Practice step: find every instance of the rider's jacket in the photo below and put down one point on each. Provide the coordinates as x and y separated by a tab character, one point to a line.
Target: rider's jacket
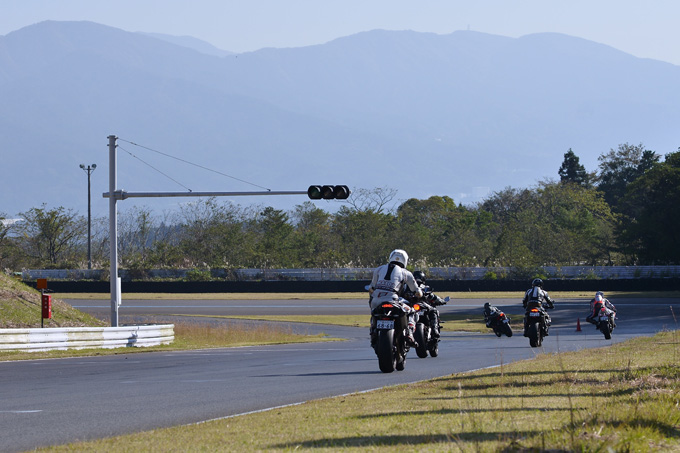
536	295
389	281
490	314
595	306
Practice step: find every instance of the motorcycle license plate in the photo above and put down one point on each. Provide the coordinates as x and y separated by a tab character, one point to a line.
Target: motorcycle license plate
534	314
383	324
604	318
505	321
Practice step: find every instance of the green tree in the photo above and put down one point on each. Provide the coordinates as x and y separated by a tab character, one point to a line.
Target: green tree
274	246
8	249
52	237
365	237
437	232
650	232
572	171
313	242
214	235
620	167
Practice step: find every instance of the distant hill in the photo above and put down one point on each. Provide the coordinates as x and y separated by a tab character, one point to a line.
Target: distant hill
192	43
459	114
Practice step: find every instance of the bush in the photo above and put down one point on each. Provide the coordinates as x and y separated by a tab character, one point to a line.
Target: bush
198	275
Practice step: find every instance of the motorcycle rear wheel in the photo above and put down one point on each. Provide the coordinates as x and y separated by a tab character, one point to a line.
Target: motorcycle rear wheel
387	358
420	337
535	339
605	328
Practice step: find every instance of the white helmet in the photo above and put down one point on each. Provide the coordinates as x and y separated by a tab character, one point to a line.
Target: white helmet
400	256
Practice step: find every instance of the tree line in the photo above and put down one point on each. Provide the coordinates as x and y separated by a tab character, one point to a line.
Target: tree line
624	213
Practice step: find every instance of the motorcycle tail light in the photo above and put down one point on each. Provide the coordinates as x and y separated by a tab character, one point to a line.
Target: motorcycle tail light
416	307
534	309
386	305
502	314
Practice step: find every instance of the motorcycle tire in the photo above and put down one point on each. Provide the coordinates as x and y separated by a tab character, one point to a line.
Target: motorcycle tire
535	339
421	339
387	357
497	332
434	349
507	330
605	328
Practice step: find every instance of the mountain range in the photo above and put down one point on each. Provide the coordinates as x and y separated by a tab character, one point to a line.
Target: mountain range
462	114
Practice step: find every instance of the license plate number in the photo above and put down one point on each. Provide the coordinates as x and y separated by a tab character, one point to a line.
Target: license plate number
385	324
534	314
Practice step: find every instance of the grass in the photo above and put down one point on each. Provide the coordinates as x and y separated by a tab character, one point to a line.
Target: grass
624	397
21	307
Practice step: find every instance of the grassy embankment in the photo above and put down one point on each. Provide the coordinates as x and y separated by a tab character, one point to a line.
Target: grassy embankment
20	307
625	397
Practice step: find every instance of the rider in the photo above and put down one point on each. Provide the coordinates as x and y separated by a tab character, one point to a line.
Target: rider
431	299
388	284
490	312
536	296
596	304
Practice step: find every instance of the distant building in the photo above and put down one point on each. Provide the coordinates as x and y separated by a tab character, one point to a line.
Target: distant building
8	222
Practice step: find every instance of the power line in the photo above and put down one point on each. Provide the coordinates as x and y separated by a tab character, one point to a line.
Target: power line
191	163
154	168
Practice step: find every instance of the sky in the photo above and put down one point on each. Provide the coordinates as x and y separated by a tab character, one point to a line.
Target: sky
644	29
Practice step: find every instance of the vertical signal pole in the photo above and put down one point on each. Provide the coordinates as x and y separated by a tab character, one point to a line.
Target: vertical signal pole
113	232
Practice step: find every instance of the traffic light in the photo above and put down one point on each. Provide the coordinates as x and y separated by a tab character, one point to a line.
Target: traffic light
328	192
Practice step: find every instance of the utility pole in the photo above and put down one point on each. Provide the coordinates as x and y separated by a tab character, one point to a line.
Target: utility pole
114	195
89	169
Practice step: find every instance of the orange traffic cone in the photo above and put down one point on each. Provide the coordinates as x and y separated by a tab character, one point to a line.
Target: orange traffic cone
578	324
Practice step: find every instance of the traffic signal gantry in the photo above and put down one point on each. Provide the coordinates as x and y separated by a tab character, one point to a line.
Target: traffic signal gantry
328	192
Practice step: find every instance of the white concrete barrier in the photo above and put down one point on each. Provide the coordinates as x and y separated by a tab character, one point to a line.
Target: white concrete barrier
86	337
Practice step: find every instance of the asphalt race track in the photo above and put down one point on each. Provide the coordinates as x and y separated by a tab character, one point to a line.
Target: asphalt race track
49	402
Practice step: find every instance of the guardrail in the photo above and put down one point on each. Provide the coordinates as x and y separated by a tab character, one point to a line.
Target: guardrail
356	273
63	338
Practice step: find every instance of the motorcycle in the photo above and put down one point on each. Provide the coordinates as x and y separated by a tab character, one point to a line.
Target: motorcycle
500	323
535	325
427	325
389	320
604	322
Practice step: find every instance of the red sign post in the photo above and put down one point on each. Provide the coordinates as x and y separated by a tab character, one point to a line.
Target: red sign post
46	300
46	306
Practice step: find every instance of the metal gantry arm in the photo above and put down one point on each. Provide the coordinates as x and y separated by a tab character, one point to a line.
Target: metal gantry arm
122	195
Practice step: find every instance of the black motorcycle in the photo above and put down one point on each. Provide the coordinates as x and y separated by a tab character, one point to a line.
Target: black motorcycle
536	323
500	323
427	325
604	322
389	321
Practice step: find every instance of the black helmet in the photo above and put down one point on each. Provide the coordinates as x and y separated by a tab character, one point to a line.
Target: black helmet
486	305
537	282
419	276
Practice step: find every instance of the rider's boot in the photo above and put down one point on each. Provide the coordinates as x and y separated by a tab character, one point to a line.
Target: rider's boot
434	322
410	340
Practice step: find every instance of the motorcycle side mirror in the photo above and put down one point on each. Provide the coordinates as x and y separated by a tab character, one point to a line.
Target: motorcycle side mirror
447	298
